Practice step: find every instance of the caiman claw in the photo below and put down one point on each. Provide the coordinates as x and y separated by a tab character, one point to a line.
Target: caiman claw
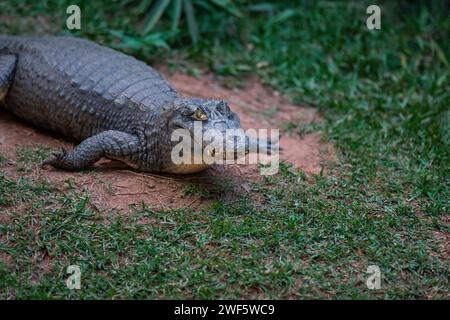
56	159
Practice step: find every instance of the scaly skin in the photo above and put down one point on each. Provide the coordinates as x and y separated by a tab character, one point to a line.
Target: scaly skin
117	106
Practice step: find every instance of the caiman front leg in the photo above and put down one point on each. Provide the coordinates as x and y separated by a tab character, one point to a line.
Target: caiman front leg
111	143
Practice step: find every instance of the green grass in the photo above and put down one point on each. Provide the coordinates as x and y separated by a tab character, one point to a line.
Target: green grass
3	159
293	247
30	157
384	96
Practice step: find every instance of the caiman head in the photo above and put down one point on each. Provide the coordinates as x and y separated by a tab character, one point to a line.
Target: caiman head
203	132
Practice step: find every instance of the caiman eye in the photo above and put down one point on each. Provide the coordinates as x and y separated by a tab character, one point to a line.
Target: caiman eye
200	115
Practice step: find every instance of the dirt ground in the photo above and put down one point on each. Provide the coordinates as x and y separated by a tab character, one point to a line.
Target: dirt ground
113	186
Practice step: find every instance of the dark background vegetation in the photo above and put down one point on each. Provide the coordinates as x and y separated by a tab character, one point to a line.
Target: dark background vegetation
384	95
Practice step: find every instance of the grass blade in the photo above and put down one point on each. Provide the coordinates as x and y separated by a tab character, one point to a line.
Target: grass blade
154	15
192	23
229	6
176	14
142	7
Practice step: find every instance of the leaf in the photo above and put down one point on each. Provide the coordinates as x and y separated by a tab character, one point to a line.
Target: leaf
155	13
157	40
205	5
440	54
142	7
192	23
176	14
261	7
229	6
137	42
283	16
127	42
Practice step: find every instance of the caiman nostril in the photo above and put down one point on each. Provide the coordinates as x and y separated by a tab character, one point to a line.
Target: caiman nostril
211	152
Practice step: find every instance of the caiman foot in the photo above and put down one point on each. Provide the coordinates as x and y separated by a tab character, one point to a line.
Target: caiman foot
57	160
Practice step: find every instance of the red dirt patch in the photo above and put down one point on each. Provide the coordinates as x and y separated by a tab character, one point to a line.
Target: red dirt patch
113	186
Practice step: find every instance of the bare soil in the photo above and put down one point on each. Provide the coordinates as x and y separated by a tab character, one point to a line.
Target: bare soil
114	186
